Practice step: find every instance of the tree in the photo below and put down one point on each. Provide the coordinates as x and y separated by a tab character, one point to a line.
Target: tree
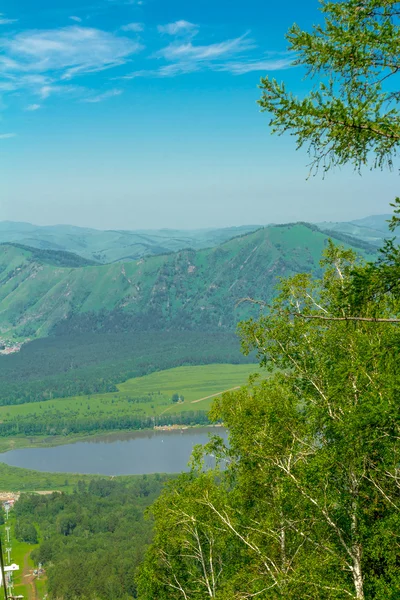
309	499
26	532
350	115
309	503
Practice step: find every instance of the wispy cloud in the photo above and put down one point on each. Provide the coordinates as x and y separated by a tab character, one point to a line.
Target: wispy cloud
127	2
197	53
7	136
33	107
135	27
52	89
5	21
241	68
104	96
237	56
178	27
76	19
42	61
68	51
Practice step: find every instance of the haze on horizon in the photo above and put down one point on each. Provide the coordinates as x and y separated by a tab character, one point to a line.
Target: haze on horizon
141	114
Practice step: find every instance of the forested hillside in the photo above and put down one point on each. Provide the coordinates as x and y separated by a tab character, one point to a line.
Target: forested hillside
188	290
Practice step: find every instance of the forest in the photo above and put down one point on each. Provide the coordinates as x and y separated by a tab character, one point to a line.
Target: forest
52	425
73	365
93	538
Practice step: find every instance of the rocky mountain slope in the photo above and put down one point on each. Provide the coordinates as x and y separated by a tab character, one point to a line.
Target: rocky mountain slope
43	293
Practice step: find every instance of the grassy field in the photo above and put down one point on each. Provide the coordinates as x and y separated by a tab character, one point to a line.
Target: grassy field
15	479
143	396
20	554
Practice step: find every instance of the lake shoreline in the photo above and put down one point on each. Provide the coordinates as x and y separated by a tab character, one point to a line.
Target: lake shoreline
16	442
122	453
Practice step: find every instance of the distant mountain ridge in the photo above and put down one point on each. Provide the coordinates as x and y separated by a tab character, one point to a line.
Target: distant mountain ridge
114	245
44	292
122	246
373	229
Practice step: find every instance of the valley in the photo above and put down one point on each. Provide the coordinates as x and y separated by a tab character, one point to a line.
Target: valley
109	347
179	396
108	373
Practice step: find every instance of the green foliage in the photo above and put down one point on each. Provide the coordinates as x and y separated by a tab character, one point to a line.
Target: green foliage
351	114
94	538
25	531
309	498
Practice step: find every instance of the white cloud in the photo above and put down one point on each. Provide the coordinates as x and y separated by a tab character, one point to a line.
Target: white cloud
241	68
196	53
130	2
7	86
104	96
76	19
33	107
178	27
4	21
67	52
172	70
48	90
7	136
231	56
135	27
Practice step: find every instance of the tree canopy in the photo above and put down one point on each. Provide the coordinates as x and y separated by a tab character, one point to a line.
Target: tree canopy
350	114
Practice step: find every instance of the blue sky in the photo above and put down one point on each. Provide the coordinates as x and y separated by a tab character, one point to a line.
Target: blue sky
142	114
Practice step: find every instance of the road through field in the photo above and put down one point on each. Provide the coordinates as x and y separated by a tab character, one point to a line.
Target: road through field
215	395
205	398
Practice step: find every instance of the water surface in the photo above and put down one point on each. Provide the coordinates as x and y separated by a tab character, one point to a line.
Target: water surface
128	453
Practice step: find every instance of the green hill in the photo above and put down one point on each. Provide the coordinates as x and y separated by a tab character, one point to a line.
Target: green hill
113	246
43	294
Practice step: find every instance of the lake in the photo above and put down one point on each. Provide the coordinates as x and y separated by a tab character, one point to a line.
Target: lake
127	453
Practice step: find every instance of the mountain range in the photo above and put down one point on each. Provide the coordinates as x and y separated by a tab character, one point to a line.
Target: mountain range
373	229
45	292
113	246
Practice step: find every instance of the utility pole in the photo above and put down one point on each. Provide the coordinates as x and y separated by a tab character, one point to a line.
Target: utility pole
8	550
2	571
8	534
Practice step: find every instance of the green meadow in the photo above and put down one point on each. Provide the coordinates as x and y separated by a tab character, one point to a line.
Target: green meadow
150	395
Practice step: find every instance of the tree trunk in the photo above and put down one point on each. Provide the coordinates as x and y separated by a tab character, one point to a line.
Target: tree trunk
356	547
357	573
